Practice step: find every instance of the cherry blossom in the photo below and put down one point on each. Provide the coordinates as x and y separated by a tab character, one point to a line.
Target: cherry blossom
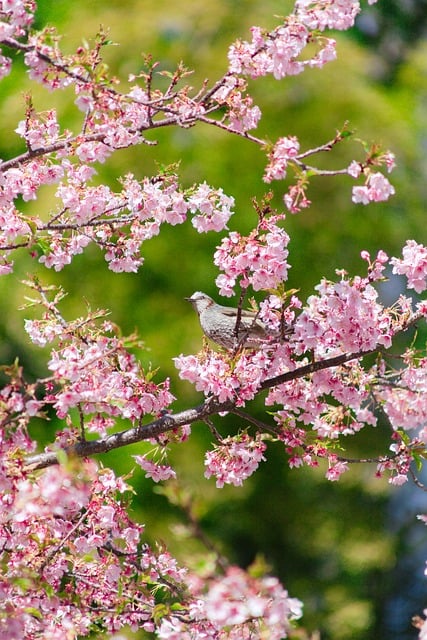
275	53
229	601
413	265
329	14
77	513
155	471
258	260
423	627
243	114
234	460
344	315
116	120
284	149
377	189
336	468
214	207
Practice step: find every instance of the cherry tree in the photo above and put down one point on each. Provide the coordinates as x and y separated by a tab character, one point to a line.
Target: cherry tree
74	563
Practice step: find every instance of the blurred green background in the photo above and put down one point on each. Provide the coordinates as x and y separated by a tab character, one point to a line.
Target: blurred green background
332	545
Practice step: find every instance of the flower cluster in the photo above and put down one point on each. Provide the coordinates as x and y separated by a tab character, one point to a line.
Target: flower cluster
229	601
376	266
67	532
93	369
40	130
242	114
314	410
154	470
101	376
376	189
213	375
238	606
234	460
214	207
16	17
344	316
117	222
336	468
279	52
258	260
283	150
413	265
398	464
405	402
296	198
328	14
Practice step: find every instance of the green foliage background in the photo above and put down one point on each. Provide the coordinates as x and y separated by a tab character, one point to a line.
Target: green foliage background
329	544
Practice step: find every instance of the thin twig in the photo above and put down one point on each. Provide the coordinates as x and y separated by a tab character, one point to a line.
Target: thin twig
417	482
261	426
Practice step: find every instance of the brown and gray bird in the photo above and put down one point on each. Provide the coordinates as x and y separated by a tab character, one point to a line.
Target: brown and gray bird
219	324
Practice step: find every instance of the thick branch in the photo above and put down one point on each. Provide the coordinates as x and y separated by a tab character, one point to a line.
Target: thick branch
318	365
154	429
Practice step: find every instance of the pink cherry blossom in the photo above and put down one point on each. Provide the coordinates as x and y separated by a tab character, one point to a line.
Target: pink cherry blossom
413	265
40	131
236	598
234	460
405	405
354	169
93	152
377	189
259	260
296	199
277	52
390	161
243	114
285	47
397	467
17	16
5	66
378	266
153	470
336	468
326	54
284	149
214	206
344	315
327	14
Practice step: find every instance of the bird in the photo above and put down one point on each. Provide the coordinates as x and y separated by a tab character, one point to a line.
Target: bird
219	324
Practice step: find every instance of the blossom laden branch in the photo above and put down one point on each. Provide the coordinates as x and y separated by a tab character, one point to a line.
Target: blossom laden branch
115	120
171	422
152	430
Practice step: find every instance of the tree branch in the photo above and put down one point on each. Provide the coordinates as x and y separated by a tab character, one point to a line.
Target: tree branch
153	429
209	407
171	421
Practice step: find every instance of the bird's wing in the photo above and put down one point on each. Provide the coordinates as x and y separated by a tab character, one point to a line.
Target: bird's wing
249	322
249	314
254	327
229	311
